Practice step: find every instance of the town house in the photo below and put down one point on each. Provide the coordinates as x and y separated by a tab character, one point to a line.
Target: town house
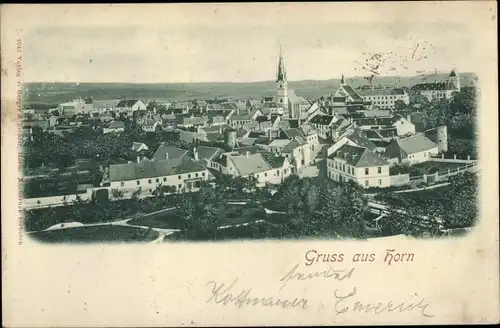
358	164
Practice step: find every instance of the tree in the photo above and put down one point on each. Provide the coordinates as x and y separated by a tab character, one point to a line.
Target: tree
462	202
117	194
400	106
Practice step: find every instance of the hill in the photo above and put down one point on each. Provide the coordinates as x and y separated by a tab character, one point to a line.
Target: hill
54	93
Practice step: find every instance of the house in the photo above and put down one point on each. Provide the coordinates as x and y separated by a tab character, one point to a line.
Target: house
139	146
413	149
348	93
265	168
358	164
299	153
188	122
339	128
236	120
353	137
131	106
403	125
216	118
323	124
114	126
178	175
210	155
182	107
150	125
168	152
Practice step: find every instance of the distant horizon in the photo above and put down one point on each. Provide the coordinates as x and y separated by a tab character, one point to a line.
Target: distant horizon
250	82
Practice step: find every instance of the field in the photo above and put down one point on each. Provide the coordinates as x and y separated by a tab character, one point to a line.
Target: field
95	234
235	214
54	93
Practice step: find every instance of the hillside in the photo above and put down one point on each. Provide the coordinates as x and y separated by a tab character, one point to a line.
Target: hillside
54	93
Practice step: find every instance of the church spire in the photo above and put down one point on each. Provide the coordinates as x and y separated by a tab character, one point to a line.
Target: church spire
342	80
281	76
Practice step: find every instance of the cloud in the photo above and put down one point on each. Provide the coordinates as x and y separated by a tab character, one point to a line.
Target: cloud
233	53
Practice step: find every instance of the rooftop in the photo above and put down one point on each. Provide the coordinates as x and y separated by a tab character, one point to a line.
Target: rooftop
152	169
415	143
250	164
173	152
358	156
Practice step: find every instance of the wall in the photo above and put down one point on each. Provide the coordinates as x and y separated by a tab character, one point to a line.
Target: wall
374	178
30	203
399	179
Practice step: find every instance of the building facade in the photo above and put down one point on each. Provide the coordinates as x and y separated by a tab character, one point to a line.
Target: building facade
351	163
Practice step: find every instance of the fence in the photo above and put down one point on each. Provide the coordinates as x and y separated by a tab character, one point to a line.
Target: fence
54	201
444	174
452	160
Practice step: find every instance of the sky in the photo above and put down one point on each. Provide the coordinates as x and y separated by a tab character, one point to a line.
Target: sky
240	53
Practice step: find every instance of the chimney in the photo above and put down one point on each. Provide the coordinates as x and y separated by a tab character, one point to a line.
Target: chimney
248	154
166	155
408	118
138	159
195	153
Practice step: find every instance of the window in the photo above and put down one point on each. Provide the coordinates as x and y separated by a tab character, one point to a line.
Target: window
179	177
367	171
284	171
265	174
202	174
138	182
180	186
343	167
189	176
379	170
157	180
196	175
278	172
149	180
366	183
164	179
257	176
379	182
122	184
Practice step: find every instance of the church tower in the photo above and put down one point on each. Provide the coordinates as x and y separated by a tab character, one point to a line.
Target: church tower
454	81
281	84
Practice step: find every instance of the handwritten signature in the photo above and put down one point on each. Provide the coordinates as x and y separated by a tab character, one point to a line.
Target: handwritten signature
345	303
329	273
223	295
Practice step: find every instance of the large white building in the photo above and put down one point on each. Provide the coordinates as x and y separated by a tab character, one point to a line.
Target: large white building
148	175
384	98
75	107
439	90
359	165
